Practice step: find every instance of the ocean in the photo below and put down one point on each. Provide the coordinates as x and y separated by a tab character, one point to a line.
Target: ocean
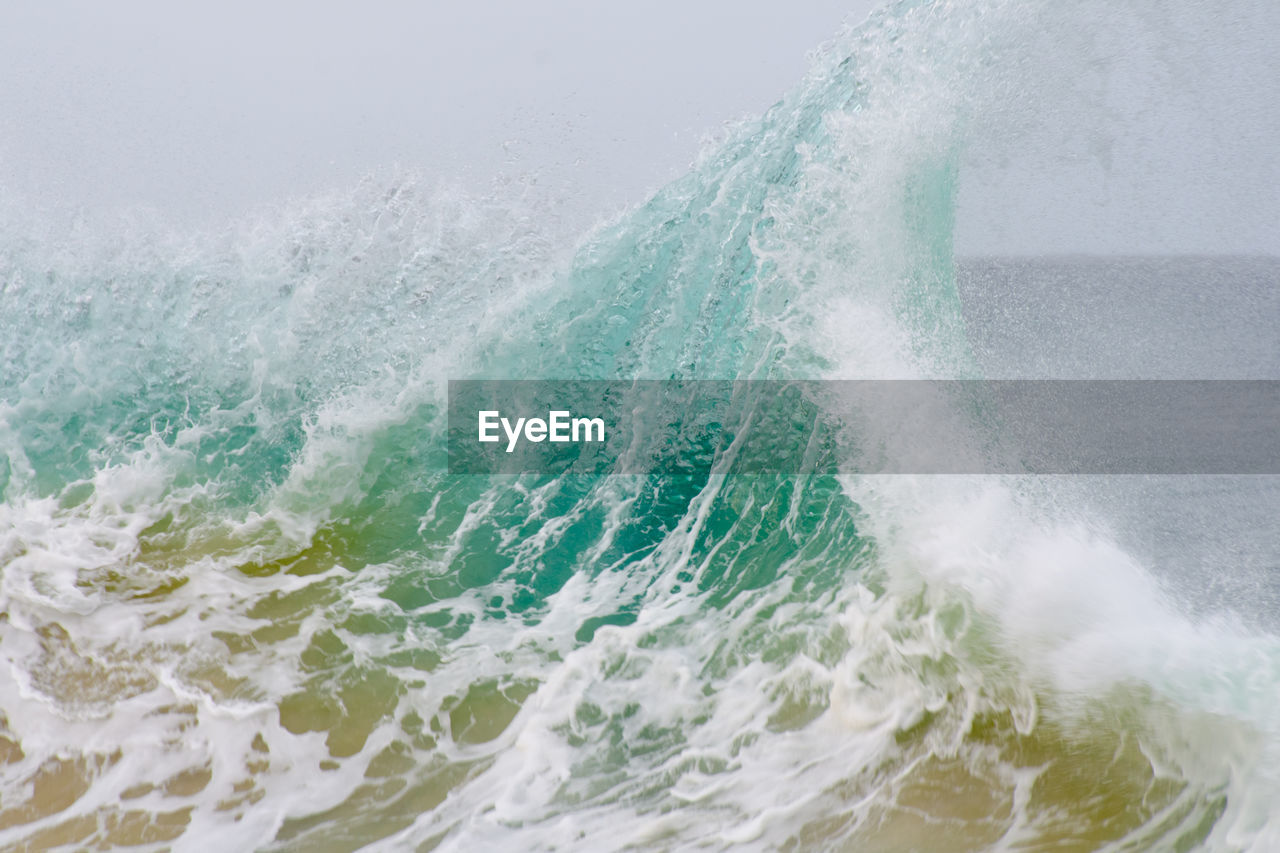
244	604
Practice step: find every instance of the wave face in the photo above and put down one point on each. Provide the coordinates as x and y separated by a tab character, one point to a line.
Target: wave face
242	600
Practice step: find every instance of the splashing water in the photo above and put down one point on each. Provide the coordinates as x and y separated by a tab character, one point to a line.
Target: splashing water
243	601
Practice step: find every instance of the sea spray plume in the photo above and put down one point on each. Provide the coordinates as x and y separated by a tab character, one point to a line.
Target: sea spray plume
281	314
844	189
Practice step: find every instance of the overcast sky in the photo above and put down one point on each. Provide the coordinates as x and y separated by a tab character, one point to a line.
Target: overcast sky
203	113
206	111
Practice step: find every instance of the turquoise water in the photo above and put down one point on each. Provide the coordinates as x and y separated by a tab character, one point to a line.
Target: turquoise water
247	608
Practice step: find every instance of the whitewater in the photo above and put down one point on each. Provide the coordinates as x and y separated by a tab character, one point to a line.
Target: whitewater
244	605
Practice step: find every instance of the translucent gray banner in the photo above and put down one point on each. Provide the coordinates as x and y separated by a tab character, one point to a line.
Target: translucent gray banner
865	427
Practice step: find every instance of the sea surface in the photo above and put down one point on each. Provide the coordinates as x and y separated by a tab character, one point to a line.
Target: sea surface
243	605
